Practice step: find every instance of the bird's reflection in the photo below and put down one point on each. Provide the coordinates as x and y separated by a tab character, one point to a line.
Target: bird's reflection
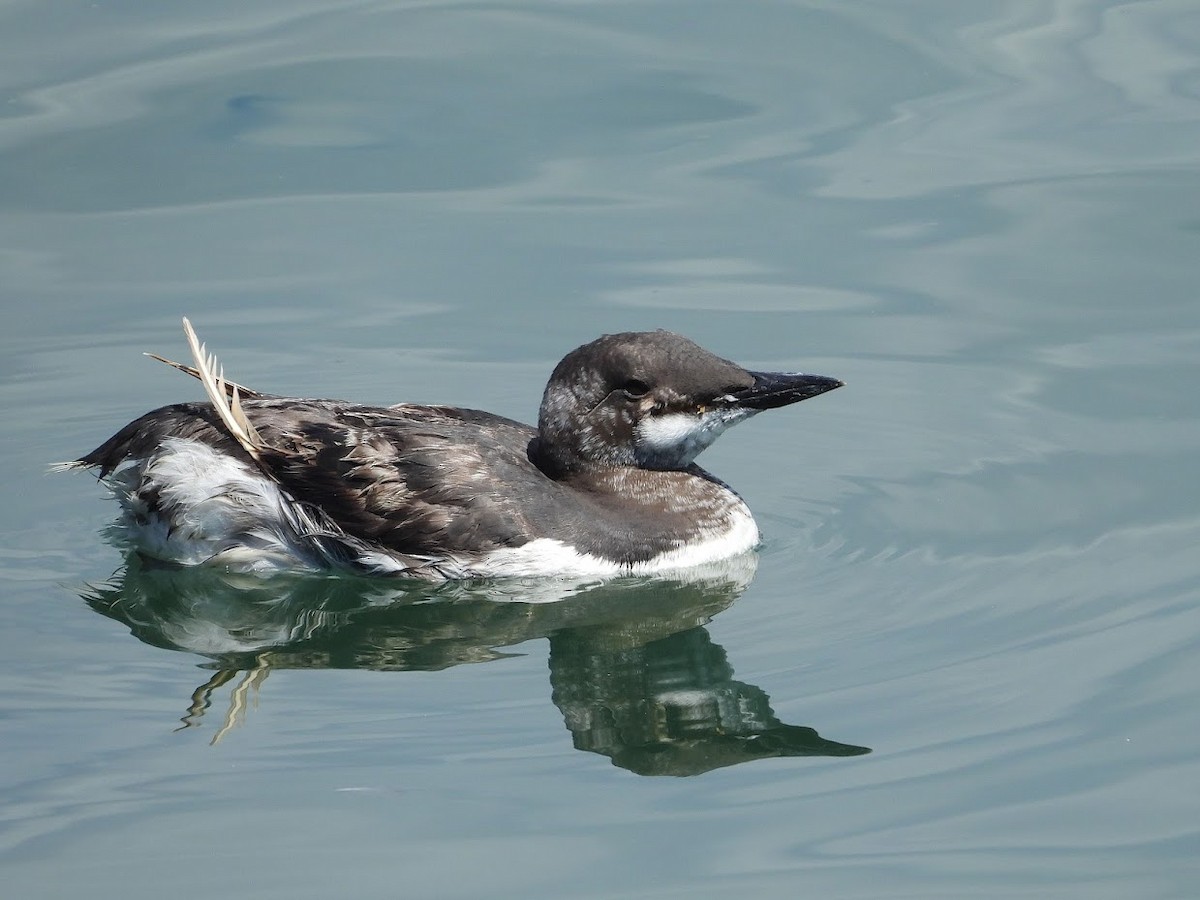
633	670
671	706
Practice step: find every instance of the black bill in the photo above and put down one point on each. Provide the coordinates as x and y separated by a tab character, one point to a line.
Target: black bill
775	389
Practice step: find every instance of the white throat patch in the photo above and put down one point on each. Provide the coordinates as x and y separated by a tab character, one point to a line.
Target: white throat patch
673	440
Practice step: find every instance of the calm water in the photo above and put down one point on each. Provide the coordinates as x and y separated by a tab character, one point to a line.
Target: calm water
981	557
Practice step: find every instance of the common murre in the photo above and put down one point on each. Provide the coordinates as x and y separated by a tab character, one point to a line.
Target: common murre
605	485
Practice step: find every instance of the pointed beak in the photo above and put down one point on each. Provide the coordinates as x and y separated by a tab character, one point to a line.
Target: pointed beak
774	389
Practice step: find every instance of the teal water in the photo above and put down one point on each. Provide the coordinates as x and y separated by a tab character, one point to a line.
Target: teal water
980	556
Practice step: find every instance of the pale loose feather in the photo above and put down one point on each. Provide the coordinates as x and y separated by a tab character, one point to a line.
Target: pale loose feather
230	386
222	395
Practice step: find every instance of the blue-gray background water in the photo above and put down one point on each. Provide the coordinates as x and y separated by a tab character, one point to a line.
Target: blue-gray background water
981	557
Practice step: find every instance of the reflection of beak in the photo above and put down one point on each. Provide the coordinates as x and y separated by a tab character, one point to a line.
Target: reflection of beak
775	389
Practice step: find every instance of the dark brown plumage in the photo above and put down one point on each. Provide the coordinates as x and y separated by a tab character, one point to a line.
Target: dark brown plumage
434	490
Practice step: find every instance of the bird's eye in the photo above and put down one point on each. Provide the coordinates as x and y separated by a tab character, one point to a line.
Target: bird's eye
635	389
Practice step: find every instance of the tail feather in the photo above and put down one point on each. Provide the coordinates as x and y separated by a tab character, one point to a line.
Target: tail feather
69	466
223	396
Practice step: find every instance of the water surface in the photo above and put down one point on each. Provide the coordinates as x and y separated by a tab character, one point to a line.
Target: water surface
979	559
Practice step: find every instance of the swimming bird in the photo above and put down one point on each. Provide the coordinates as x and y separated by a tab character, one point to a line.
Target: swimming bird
605	485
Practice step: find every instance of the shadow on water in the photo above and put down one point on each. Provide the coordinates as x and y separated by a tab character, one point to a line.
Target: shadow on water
633	670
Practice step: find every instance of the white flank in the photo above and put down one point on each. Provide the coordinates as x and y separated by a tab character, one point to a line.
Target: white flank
192	504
